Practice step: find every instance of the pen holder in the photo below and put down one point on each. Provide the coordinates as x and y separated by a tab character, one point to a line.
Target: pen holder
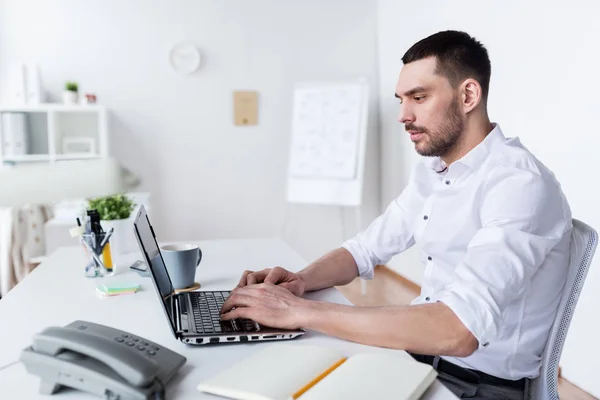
98	255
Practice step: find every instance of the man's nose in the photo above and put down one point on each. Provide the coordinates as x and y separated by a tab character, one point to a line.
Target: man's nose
405	115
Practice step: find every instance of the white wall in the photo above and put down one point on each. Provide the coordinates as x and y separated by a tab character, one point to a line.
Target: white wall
544	89
208	179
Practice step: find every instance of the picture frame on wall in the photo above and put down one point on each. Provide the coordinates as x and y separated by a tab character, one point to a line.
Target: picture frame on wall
79	145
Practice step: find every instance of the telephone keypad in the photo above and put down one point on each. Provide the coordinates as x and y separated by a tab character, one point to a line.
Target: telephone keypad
142	345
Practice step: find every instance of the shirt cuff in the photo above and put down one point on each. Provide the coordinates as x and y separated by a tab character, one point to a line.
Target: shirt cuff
473	322
361	258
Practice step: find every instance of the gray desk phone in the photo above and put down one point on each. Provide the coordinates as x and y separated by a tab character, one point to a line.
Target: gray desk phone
100	360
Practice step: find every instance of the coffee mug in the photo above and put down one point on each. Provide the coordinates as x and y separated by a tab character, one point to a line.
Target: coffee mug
181	261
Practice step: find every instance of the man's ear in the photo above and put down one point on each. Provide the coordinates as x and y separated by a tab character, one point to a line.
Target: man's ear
471	94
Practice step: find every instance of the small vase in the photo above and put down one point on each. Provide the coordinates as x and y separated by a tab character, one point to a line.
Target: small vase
70	97
122	240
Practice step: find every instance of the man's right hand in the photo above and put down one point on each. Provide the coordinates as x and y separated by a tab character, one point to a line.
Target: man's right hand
277	276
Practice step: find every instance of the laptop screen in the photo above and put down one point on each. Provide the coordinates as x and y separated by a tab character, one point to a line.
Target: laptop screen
150	251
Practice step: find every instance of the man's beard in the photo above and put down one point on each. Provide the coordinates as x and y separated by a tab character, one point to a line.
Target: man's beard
446	137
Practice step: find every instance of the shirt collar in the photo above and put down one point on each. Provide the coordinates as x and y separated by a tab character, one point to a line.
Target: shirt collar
477	155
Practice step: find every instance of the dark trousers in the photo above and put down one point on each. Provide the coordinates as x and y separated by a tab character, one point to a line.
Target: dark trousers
472	384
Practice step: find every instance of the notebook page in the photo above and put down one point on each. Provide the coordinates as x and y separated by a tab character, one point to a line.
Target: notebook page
374	376
272	373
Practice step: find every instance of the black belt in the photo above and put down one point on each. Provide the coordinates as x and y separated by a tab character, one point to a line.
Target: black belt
469	375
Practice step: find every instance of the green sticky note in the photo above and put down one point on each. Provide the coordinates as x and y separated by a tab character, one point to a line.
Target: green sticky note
119	287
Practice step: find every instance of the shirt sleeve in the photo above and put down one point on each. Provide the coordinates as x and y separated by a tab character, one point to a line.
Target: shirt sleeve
523	217
389	234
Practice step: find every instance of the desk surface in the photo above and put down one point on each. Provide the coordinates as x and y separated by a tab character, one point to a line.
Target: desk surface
56	293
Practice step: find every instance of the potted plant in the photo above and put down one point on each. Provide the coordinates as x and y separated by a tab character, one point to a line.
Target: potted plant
70	93
115	211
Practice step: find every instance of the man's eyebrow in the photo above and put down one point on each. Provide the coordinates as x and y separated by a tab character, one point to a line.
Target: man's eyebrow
412	91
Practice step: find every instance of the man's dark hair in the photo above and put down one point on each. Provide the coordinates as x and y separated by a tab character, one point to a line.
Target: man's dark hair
458	57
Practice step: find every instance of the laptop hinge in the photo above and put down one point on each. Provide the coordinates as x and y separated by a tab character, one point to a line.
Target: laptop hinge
177	314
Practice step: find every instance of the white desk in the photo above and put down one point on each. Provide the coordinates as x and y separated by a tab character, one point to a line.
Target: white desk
56	293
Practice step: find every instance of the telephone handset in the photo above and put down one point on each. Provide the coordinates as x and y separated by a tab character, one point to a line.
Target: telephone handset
101	360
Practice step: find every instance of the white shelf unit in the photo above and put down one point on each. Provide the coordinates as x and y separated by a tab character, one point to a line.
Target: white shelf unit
49	124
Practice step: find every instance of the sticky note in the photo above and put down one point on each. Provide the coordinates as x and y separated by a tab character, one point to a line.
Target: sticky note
115	289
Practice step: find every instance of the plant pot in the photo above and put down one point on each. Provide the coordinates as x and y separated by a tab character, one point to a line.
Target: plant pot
122	240
70	97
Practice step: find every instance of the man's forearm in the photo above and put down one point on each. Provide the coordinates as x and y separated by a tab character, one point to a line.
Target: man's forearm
424	329
335	268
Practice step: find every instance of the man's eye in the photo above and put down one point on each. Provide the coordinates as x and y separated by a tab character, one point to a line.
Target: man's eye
419	98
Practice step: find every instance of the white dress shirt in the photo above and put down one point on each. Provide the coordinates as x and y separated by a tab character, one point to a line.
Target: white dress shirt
493	230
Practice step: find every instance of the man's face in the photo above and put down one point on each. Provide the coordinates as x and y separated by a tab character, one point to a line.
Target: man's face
430	108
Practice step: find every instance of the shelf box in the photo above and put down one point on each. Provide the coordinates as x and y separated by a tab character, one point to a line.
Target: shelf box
33	140
55	132
76	133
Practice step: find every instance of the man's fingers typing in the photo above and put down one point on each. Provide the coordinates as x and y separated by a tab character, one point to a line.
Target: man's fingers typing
244	277
276	275
236	300
240	312
258	276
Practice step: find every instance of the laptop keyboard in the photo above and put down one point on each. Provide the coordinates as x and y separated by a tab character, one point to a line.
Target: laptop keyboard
206	307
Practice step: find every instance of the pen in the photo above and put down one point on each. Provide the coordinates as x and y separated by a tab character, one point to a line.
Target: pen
106	237
94	255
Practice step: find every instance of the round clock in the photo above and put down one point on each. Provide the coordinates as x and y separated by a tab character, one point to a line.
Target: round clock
185	58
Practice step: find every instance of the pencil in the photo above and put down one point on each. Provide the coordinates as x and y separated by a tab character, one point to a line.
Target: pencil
318	378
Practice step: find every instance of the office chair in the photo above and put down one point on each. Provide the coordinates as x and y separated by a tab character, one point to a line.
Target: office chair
583	245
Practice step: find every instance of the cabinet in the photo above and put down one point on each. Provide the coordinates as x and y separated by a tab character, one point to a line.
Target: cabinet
52	132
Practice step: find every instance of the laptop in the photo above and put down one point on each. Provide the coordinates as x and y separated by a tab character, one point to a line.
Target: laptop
194	317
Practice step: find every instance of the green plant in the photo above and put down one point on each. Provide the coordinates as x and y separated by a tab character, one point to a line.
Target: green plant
71	86
117	206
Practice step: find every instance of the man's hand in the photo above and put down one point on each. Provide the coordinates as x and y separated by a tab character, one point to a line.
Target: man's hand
267	304
276	276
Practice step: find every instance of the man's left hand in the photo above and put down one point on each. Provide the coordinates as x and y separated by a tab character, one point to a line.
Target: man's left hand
267	304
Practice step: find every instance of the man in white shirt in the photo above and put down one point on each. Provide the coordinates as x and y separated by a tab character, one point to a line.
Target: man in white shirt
490	221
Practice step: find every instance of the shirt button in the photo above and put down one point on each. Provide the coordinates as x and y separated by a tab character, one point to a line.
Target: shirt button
485	344
427	299
447	182
429	258
425	217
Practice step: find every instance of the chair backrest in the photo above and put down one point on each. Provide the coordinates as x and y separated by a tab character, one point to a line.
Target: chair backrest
583	245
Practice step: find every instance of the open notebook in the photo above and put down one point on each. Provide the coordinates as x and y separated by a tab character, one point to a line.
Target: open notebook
284	371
